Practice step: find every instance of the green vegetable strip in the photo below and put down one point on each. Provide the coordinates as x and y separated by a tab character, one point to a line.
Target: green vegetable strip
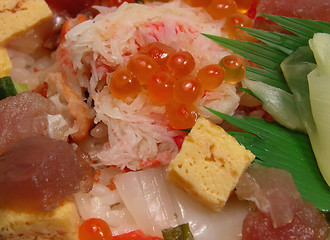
265	56
279	147
21	87
285	43
302	27
270	58
7	88
181	232
269	78
274	145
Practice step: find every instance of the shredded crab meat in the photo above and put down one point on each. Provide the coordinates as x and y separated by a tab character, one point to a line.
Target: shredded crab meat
136	131
114	37
138	135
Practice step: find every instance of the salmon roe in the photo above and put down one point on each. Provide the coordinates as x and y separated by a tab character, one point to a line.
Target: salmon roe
198	3
181	63
181	116
186	90
211	76
234	67
170	79
237	13
243	6
238	20
94	229
158	51
219	9
124	84
160	87
142	66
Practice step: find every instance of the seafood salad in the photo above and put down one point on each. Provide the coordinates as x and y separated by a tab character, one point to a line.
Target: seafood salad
100	97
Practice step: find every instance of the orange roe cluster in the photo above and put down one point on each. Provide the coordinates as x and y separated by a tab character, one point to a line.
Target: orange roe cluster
96	229
236	13
167	77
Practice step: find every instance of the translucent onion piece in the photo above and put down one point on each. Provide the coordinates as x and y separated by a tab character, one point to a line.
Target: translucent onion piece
319	87
277	103
273	190
155	203
295	69
101	202
146	196
207	224
320	47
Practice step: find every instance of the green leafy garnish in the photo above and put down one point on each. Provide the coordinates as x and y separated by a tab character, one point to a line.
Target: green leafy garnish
286	98
303	28
278	147
278	47
265	56
267	77
7	87
181	232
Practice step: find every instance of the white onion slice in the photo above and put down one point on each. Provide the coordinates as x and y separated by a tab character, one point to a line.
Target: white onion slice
101	202
146	196
207	224
157	204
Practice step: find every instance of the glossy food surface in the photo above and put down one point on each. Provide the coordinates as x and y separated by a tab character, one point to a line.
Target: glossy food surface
22	116
37	173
